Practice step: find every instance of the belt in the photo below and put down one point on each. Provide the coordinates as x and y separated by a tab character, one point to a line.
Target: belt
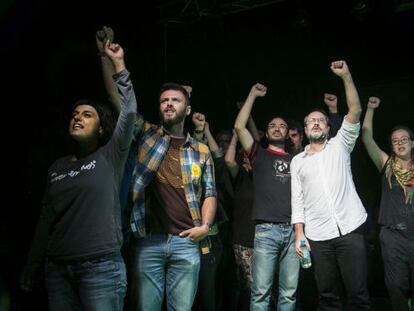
282	223
92	258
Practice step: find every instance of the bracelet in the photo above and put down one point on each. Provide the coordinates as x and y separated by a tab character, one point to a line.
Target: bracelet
207	224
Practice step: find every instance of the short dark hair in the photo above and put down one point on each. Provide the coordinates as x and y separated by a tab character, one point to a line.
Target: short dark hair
106	118
175	87
275	117
295	125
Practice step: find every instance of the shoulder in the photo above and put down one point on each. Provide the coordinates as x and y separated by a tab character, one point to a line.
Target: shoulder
298	158
198	146
60	161
350	127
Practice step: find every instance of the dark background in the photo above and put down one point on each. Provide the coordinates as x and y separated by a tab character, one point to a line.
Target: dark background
221	48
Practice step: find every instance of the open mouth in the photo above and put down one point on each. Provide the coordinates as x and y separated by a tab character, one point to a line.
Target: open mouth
169	112
77	126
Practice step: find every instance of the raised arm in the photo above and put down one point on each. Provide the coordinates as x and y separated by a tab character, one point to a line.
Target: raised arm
116	54
211	142
199	121
202	133
251	125
340	68
331	101
230	157
107	67
245	137
378	156
123	134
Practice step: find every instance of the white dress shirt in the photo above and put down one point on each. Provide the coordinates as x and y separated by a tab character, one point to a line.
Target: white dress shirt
324	198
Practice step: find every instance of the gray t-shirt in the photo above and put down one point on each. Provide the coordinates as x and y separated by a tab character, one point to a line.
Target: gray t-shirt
81	212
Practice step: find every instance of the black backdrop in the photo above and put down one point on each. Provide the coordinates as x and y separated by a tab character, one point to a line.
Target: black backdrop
50	60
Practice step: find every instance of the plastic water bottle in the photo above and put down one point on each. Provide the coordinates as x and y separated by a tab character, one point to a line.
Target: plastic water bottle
305	261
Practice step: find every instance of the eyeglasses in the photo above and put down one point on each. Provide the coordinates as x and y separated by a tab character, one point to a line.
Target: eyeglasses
314	120
401	141
279	126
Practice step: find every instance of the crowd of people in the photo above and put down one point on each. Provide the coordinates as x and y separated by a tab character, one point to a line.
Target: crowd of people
145	216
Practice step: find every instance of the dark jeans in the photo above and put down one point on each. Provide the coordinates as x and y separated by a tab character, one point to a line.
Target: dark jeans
398	256
206	291
344	257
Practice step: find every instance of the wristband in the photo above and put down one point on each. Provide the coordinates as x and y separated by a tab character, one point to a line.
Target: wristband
207	224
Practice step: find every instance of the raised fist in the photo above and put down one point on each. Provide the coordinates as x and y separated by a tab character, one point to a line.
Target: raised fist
258	90
373	102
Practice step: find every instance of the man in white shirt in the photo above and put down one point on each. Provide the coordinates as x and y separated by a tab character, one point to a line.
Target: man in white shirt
326	207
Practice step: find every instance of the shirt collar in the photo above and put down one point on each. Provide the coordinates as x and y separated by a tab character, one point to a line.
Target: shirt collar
307	152
189	141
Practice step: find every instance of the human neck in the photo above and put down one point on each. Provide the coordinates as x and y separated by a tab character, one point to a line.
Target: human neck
278	148
176	130
84	149
316	146
405	163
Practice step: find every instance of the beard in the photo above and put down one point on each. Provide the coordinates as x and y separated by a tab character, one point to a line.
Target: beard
317	137
179	117
276	141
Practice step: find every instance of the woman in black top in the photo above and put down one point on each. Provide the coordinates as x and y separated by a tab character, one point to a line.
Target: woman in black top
79	231
397	207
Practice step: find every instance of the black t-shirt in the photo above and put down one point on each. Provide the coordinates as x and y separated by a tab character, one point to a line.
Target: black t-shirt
272	189
86	208
224	189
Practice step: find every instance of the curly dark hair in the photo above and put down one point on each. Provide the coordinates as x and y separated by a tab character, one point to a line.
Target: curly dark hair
106	118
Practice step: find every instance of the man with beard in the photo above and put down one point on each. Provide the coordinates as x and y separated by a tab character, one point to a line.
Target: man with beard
274	237
174	207
326	207
174	199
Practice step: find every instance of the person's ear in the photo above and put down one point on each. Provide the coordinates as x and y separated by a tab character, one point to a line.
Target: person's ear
188	110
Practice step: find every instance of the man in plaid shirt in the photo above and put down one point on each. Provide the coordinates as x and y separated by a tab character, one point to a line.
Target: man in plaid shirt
174	204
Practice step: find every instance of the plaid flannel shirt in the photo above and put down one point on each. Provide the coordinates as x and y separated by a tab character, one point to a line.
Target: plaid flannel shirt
197	173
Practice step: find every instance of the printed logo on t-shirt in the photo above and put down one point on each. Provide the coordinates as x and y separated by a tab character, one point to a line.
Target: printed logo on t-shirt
282	170
89	166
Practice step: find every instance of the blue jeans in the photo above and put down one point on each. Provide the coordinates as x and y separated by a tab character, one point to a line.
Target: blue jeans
274	243
161	261
93	285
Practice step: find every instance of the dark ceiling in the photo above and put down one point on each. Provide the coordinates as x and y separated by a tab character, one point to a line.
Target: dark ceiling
219	47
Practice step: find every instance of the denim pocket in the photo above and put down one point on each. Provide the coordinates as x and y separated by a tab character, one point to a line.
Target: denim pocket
262	229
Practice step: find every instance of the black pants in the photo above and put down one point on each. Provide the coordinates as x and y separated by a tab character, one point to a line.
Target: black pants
398	255
205	299
344	257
